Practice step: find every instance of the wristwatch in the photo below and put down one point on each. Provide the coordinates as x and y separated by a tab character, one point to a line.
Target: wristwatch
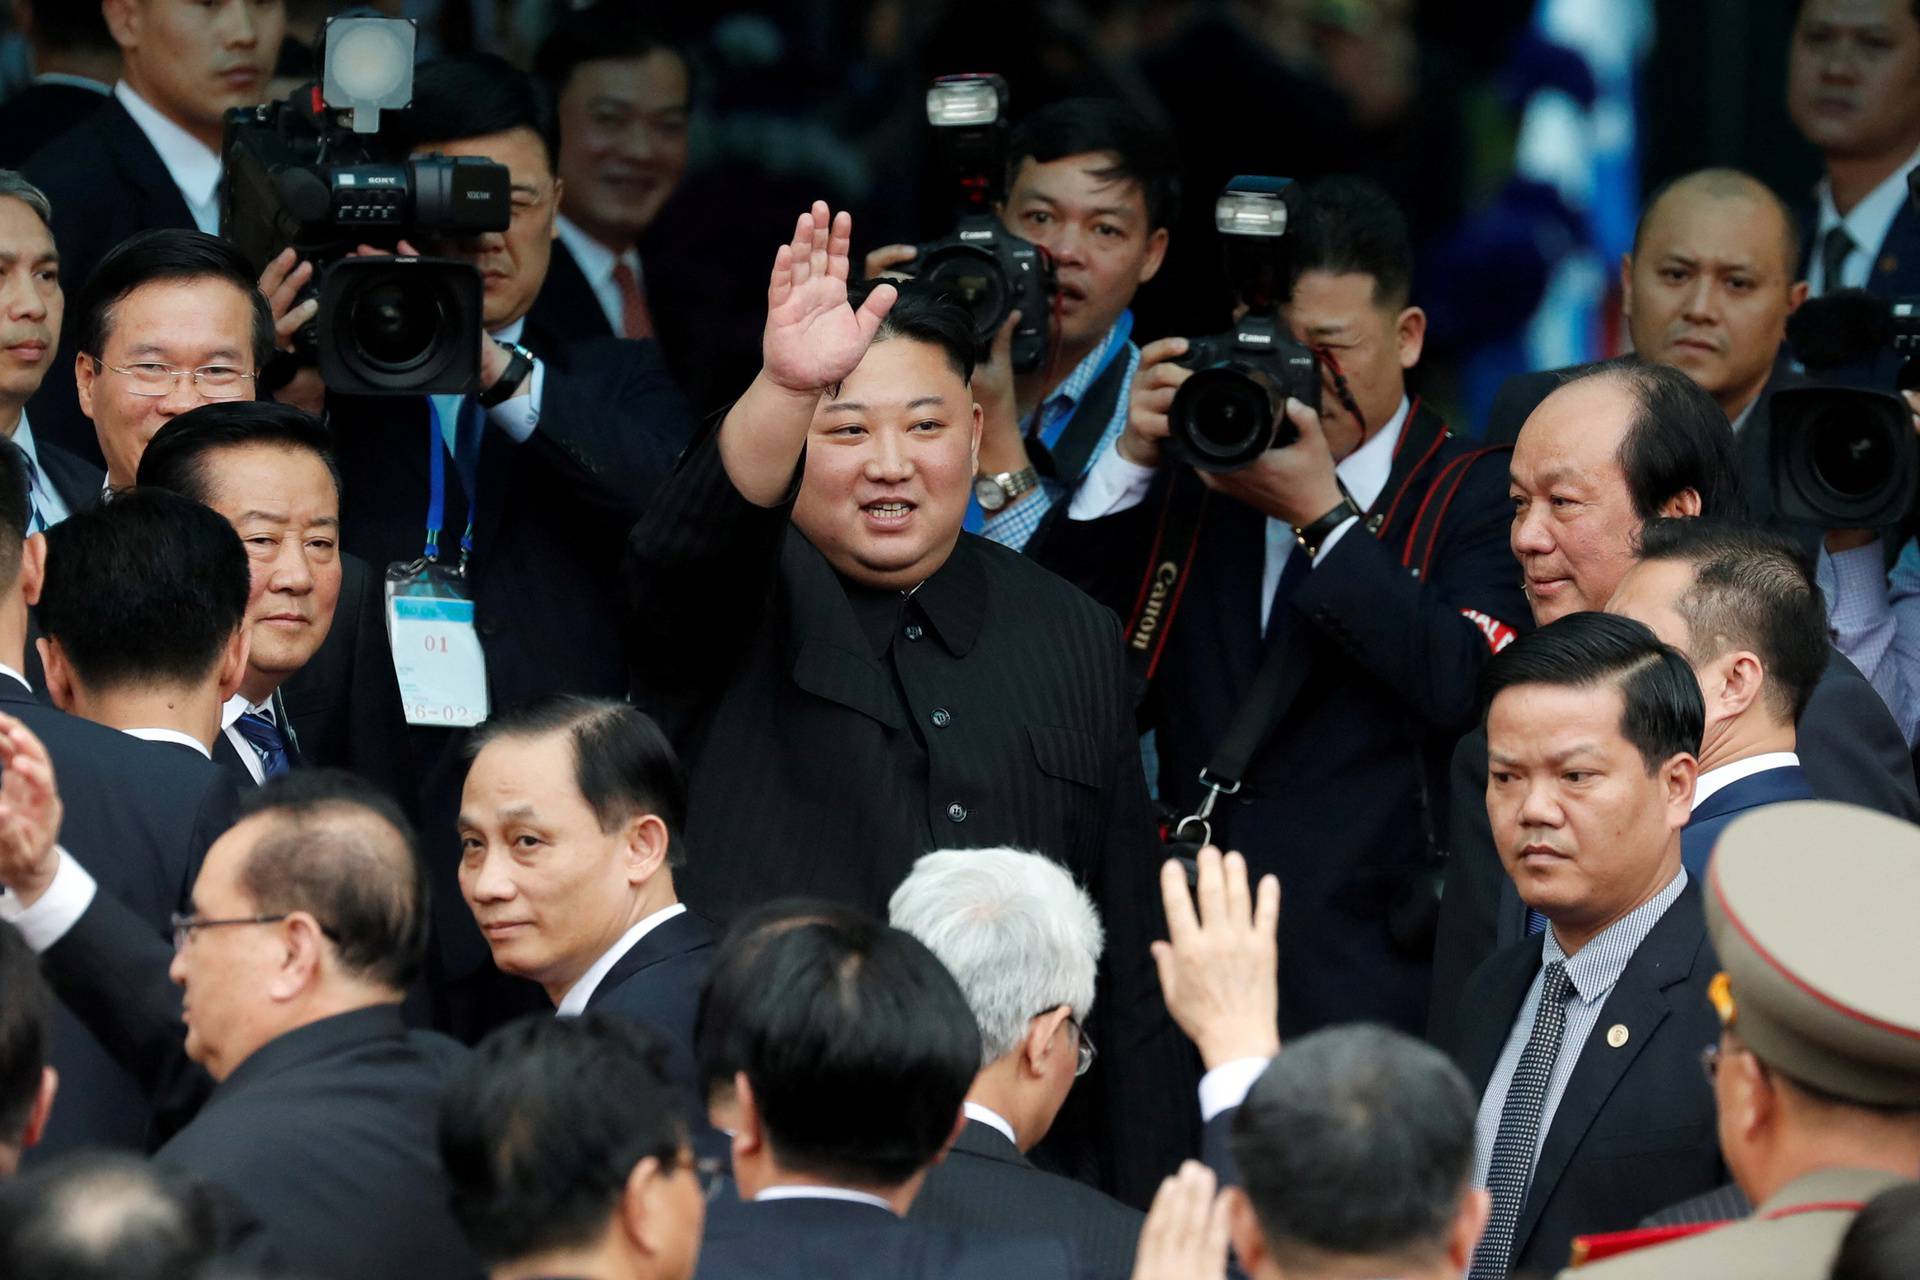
995	491
1311	536
519	365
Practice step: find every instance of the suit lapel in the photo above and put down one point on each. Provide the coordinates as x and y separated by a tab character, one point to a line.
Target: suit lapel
683	934
1497	1002
138	162
1753	791
1637	1002
831	656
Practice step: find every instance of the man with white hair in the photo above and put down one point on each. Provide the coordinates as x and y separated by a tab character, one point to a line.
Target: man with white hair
1023	941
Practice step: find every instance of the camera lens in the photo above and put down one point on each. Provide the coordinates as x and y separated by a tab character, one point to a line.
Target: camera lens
1850	456
974	279
396	321
1223	417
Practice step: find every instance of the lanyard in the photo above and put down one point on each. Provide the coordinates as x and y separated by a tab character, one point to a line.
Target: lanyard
437	487
1049	432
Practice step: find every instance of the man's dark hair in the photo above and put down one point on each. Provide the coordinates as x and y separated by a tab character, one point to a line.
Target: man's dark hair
16	512
106	1215
858	1043
1142	152
1352	227
541	1127
168	254
66	27
924	314
1678	439
341	850
177	459
622	762
145	590
1884	1239
1751	590
607	31
1663	714
26	1026
473	95
1356	1106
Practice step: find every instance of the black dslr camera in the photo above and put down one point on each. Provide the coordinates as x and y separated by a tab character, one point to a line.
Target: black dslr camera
1232	409
985	266
313	172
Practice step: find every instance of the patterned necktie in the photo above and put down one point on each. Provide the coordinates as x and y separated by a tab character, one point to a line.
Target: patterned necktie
1833	256
635	322
264	736
1518	1137
37	523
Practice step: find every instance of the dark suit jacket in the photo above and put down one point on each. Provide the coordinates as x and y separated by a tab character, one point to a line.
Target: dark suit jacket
1635	1129
139	817
657	982
567	306
78	482
999	715
1710	818
324	1142
809	1239
106	182
986	1184
1850	750
1343	798
39	113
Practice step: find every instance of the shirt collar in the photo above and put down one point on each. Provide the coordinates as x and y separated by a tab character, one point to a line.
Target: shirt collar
954	599
169	735
1365	471
511	332
1597	966
1075	384
236	706
823	1193
991	1118
575	1001
23	438
1867	223
6	670
194	168
595	260
1716	778
74	82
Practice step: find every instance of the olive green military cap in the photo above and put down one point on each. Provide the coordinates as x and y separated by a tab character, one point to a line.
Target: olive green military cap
1814	909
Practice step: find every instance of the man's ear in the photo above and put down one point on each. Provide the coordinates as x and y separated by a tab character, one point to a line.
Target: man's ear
749	1135
1043	1040
1410	333
1745	678
1684	503
1156	254
979	422
1680	772
1243	1229
559	193
1626	286
233	660
54	670
1469	1224
639	1218
42	1107
302	957
1795	296
645	846
83	370
33	567
123	21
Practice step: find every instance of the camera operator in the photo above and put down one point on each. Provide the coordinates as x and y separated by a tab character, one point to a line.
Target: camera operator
1301	566
1097	187
1874	613
150	157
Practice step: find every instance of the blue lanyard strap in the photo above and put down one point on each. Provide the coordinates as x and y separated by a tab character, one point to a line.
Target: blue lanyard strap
437	489
1048	423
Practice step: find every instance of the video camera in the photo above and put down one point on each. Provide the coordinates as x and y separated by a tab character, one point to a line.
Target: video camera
1232	409
985	266
314	173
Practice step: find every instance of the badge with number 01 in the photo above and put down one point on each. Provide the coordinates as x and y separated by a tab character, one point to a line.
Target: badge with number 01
436	651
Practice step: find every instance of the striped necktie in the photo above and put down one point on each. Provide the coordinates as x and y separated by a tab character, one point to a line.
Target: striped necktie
264	736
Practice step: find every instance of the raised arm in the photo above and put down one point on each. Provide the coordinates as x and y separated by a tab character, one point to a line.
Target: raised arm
812	341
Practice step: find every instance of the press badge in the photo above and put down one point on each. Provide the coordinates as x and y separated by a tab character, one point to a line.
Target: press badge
436	650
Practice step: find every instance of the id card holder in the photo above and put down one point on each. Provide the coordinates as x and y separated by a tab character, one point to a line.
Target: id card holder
436	650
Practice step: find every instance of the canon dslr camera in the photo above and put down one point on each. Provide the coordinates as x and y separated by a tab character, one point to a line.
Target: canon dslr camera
314	173
985	266
1232	409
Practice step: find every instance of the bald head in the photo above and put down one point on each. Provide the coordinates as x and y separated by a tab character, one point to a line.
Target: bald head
1711	281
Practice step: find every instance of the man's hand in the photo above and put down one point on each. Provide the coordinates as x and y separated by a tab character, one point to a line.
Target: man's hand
29	813
888	259
282	282
1154	384
1220	973
1185	1236
813	339
1295	484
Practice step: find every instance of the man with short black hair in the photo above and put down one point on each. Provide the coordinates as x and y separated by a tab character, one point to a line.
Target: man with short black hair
28	1081
143	617
306	924
1584	1043
852	1051
588	909
101	1215
1024	942
606	1187
1740	604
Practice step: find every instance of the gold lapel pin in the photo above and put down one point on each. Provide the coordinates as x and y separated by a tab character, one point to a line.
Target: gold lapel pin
1616	1035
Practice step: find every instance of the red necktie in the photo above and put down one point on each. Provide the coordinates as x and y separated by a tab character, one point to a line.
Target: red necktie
634	320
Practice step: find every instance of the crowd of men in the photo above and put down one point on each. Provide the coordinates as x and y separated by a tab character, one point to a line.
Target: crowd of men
834	886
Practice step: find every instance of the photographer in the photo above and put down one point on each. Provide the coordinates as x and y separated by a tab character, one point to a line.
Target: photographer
1097	187
1365	566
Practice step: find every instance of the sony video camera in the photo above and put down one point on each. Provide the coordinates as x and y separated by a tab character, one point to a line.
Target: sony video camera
314	172
1232	409
985	266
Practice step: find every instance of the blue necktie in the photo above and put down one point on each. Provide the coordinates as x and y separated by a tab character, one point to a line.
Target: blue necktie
1536	923
38	523
264	736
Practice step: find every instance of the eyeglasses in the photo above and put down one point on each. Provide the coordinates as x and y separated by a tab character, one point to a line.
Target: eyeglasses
183	926
1087	1052
214	381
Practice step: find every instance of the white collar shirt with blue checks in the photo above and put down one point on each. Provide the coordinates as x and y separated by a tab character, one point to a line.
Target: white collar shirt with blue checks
1593	971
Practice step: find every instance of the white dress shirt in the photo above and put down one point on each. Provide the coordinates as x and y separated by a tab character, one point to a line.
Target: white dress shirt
232	710
991	1118
517	417
1867	224
169	735
574	1002
193	166
596	263
823	1193
1227	1085
1714	779
46	500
